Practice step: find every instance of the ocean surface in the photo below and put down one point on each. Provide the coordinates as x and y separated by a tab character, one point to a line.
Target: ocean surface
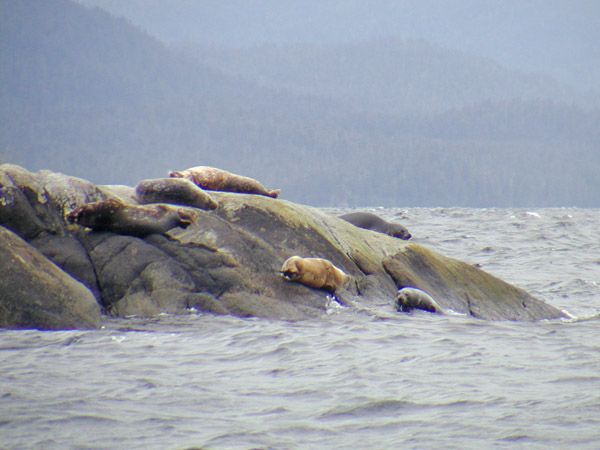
352	379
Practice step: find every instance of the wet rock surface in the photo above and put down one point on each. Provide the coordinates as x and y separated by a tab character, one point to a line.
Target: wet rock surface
35	293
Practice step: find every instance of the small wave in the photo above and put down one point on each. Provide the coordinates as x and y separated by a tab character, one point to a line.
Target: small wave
575	319
517	438
392	406
78	418
525	215
577	379
451	312
370	408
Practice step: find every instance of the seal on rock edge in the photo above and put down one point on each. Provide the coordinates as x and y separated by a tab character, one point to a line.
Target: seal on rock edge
113	215
316	273
373	222
215	179
177	191
412	298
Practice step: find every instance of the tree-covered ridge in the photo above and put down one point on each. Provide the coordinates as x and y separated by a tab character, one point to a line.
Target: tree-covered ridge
393	76
90	95
560	38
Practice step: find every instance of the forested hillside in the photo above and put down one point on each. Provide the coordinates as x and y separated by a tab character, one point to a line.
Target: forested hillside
560	38
89	94
394	76
84	91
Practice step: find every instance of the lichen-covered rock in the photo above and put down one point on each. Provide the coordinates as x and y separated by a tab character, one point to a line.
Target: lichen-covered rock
35	293
228	262
464	288
33	204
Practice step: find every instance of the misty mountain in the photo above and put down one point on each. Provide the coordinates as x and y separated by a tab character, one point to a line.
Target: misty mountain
394	76
560	38
539	120
83	89
91	95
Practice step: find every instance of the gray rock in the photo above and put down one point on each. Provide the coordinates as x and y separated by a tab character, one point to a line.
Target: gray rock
68	253
462	288
35	293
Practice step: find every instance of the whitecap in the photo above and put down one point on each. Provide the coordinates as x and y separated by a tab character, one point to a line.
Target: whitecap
533	214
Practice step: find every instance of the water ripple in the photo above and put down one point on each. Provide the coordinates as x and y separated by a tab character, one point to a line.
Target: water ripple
348	380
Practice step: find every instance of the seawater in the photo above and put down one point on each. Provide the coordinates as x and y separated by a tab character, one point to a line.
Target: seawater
351	379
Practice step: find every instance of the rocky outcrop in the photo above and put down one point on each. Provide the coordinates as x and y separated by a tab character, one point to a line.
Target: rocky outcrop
35	293
462	287
228	262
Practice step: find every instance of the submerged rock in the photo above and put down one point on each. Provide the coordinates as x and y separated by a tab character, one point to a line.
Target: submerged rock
228	261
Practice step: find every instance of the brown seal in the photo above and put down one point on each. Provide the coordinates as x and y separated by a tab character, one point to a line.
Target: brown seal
177	191
114	215
220	180
317	273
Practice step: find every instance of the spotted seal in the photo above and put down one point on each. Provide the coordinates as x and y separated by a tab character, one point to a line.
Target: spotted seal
177	191
215	179
113	215
412	298
373	222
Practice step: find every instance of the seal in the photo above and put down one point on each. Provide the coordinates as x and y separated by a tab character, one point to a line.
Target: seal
372	222
177	191
412	298
316	273
220	180
114	215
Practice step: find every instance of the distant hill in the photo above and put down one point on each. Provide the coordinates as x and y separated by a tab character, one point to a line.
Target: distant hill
88	94
560	38
395	76
84	91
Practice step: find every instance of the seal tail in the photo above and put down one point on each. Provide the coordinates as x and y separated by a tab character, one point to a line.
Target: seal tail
274	193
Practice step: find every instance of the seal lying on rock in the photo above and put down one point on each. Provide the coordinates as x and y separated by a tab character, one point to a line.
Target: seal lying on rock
220	180
411	298
372	222
317	273
113	215
178	191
